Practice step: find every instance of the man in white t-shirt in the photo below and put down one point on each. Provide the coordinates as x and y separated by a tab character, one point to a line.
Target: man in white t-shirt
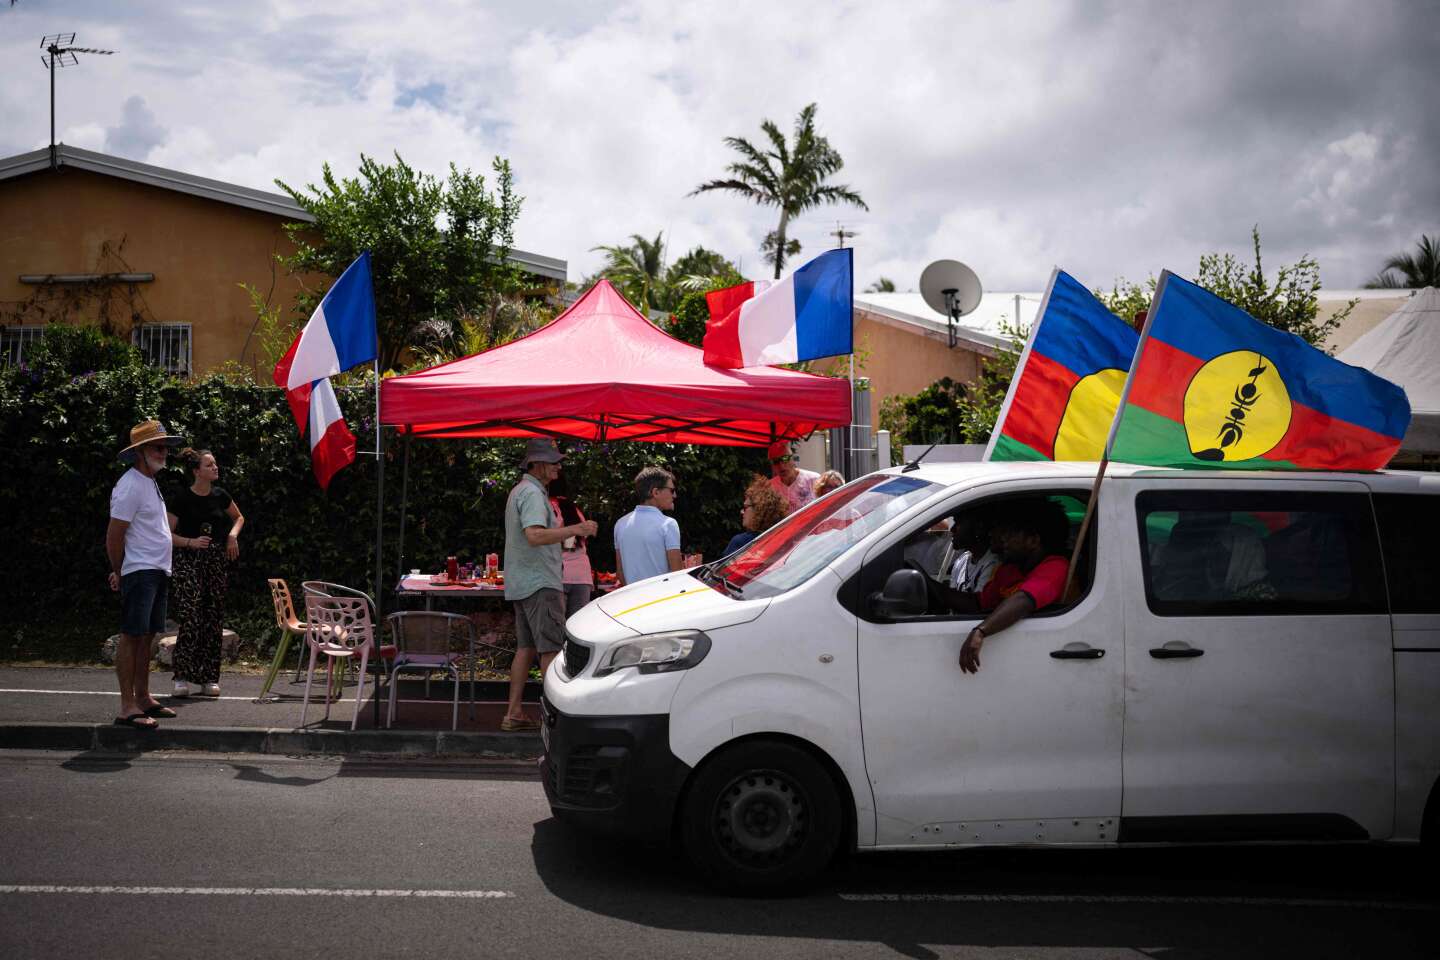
795	485
647	543
138	542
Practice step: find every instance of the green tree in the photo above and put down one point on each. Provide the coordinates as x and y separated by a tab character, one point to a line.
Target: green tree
790	176
1291	303
1420	269
438	249
882	285
637	269
699	270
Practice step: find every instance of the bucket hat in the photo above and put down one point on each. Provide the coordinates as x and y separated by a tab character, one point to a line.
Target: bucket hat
540	450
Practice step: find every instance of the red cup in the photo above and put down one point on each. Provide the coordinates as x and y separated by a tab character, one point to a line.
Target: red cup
452	568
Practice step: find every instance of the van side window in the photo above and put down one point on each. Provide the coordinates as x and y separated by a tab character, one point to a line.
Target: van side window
929	547
1258	553
1409	534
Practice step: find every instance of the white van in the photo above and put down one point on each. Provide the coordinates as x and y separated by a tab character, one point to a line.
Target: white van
1248	657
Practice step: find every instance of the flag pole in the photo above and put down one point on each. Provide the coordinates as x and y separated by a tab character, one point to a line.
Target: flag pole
1084	527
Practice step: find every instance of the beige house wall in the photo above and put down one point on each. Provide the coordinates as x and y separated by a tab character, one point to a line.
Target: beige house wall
1364	318
76	222
902	359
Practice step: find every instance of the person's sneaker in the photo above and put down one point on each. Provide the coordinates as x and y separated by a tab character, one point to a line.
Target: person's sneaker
212	690
182	689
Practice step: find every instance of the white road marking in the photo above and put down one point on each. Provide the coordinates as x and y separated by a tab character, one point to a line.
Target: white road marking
260	892
1126	899
165	696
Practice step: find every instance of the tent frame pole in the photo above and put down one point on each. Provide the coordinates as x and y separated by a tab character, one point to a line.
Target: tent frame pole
404	508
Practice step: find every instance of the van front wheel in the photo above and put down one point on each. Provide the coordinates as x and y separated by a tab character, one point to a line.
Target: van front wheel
761	816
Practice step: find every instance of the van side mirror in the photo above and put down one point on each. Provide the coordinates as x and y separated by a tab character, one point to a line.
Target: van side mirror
904	595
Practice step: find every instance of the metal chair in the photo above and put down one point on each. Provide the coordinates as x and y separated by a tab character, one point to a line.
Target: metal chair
340	628
324	588
290	626
427	641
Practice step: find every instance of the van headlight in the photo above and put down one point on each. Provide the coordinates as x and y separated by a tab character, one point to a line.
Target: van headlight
656	653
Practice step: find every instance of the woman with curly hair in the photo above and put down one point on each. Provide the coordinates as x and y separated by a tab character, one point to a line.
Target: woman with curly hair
205	525
763	508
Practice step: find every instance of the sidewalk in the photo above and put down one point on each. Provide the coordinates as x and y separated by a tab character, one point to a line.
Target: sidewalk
72	708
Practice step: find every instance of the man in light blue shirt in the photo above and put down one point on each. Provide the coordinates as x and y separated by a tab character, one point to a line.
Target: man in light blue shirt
647	543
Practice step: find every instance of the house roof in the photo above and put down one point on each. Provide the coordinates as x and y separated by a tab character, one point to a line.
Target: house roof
277	204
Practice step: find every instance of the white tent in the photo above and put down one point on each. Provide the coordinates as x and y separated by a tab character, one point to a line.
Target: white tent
1405	348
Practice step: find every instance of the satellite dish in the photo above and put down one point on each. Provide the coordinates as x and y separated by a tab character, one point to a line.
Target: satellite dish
950	288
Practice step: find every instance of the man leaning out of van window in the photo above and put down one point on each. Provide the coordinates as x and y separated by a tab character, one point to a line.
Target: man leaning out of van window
1031	575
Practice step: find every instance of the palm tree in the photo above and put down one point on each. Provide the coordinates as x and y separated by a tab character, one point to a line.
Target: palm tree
638	269
789	176
883	285
1420	270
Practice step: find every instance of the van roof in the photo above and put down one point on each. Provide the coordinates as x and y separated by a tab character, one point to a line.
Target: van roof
953	472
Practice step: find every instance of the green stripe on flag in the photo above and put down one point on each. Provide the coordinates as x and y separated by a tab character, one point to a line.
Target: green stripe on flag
1152	440
1008	448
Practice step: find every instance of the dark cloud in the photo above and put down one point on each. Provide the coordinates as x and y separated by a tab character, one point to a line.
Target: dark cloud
137	133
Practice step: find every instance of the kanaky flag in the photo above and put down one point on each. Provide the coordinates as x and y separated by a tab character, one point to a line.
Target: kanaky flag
805	316
1212	387
339	335
1067	384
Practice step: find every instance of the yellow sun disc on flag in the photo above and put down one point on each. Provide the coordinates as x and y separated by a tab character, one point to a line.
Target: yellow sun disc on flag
1236	407
1085	425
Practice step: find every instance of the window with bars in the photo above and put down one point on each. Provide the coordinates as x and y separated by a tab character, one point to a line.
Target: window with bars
165	345
14	340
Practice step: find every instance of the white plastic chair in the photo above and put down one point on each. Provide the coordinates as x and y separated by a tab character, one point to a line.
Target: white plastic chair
426	641
340	629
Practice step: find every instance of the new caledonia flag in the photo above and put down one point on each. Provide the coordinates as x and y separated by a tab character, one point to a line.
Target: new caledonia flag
1214	387
1067	384
339	335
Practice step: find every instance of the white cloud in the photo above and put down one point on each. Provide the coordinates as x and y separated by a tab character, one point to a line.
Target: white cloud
1014	136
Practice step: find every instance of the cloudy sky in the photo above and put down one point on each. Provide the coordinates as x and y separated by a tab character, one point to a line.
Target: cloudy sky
1111	138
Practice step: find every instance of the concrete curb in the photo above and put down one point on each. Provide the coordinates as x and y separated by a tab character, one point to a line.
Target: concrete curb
274	740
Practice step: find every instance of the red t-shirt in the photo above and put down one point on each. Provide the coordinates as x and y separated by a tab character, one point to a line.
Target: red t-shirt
1043	583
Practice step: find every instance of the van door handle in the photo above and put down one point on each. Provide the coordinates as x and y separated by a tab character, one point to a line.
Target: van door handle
1176	651
1077	651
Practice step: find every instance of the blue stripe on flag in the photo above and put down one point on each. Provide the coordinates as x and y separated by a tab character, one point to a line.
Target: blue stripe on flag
1078	333
824	290
1192	319
349	309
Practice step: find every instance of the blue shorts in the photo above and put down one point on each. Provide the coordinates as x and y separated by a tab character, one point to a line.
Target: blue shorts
143	596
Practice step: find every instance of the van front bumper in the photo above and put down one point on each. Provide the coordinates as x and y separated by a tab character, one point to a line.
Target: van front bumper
611	774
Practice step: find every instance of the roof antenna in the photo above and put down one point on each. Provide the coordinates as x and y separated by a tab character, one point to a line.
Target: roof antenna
60	51
915	464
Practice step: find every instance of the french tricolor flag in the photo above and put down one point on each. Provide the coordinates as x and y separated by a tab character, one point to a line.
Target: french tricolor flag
802	317
339	335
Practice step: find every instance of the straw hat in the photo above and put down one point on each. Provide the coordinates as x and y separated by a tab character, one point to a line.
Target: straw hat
151	431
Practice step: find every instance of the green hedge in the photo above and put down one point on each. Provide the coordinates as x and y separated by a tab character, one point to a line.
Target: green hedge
63	418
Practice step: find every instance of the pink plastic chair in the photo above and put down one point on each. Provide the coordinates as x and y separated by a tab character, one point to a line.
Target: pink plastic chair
339	628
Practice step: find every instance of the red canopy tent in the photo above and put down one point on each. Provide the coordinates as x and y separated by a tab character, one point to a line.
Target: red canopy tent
603	372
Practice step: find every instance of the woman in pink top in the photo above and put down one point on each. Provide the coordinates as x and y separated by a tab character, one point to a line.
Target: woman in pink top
575	573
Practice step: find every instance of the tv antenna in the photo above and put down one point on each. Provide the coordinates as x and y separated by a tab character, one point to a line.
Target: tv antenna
60	51
950	288
841	234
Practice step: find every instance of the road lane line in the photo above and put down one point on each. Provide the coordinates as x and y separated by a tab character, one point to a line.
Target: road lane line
258	892
1128	899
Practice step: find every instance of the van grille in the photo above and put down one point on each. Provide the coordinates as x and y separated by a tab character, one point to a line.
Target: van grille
576	655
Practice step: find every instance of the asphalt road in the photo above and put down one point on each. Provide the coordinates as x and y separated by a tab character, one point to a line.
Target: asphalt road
180	855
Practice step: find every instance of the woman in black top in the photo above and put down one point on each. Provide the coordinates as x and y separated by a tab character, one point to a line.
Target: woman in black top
206	523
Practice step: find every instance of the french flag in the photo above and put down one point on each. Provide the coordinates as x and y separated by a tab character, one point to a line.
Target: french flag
802	317
339	335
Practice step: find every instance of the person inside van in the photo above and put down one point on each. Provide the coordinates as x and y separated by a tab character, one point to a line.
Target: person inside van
1030	577
977	555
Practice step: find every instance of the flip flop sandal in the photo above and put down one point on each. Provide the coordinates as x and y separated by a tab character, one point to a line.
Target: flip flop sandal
160	712
133	721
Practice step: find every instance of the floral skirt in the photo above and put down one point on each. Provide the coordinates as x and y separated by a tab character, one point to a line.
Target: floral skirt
198	594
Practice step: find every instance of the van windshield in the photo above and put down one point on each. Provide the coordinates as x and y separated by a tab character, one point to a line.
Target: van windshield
804	543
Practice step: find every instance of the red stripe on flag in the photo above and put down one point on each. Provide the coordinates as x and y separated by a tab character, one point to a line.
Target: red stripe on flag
1039	404
1161	378
1318	441
722	333
332	452
299	398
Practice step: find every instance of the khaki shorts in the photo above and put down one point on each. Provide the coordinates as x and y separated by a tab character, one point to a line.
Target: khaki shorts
540	621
